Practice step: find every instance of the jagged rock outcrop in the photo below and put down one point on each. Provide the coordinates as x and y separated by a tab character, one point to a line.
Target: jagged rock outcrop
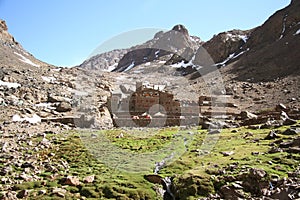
173	42
221	46
105	61
5	37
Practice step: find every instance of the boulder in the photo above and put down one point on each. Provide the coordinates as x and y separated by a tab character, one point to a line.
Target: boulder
89	179
71	180
229	192
272	135
289	121
291	131
154	178
247	115
280	107
59	192
64	107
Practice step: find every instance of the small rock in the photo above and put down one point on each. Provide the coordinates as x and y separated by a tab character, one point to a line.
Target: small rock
89	179
247	115
289	121
4	147
22	194
93	135
153	178
247	135
54	99
63	107
26	177
228	192
26	165
120	135
59	192
270	162
42	192
227	153
275	150
214	131
271	135
294	150
237	186
291	131
45	142
286	144
71	180
280	107
257	173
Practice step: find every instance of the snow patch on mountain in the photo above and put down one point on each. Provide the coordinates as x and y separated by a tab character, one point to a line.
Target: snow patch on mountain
26	60
236	37
283	27
33	120
111	67
129	67
9	85
49	79
230	57
182	64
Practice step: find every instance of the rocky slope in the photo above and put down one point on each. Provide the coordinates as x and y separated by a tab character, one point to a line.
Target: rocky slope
34	90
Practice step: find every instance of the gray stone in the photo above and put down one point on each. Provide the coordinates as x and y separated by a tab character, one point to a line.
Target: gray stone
272	135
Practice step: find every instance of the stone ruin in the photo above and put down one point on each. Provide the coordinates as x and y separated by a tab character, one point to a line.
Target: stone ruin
151	105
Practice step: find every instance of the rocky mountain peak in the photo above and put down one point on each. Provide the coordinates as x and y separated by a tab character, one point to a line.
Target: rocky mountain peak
180	28
3	26
163	43
5	37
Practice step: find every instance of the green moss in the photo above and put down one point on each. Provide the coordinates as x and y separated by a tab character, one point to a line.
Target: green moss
24	186
192	185
52	184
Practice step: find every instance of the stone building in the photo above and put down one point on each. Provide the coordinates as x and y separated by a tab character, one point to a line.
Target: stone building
152	105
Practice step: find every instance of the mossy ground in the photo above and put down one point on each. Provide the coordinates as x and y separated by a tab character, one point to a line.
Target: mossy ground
193	171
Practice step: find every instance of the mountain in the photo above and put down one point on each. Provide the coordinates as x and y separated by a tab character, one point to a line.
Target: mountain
273	48
274	45
268	53
175	40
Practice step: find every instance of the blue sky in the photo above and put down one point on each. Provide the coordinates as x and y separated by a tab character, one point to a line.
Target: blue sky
66	32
